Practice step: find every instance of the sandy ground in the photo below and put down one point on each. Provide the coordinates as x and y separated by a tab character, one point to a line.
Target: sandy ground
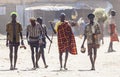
107	64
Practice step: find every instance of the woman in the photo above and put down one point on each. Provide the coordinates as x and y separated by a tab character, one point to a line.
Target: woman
113	32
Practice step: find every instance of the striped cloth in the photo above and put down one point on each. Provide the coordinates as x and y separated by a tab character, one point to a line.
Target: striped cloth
34	32
43	29
66	40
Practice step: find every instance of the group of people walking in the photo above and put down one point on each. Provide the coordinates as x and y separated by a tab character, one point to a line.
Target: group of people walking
36	34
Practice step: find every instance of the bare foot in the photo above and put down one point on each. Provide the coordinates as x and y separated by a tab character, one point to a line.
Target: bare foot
33	68
11	68
65	68
46	66
37	66
92	68
61	69
15	68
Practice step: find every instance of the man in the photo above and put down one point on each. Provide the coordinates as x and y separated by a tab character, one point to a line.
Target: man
66	40
14	31
43	40
113	31
91	33
33	33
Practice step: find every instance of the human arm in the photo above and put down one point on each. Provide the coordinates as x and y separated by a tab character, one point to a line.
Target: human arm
21	36
7	30
85	37
22	43
48	38
82	46
27	36
47	35
7	42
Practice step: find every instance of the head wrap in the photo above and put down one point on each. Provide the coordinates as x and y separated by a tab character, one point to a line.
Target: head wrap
13	13
32	19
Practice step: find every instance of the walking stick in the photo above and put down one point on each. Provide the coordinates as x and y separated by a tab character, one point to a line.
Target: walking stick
50	43
52	35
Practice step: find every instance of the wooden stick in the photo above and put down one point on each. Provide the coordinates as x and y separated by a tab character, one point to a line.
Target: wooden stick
50	43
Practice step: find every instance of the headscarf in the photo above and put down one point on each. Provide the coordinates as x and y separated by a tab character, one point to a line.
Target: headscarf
14	13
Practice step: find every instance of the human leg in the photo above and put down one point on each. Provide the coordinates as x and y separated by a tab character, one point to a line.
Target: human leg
60	59
111	47
11	57
43	56
92	62
66	57
32	56
91	56
15	55
37	57
39	54
95	55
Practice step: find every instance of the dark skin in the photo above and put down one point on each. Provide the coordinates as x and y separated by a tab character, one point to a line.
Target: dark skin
62	19
41	52
91	56
110	49
35	63
11	47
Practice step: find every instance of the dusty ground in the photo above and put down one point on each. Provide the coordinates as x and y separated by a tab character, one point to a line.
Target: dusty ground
107	64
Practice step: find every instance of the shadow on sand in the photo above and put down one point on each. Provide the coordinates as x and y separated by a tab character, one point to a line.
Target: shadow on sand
61	70
85	70
7	70
28	69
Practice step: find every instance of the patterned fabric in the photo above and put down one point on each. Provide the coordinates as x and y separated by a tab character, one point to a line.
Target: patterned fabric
90	32
112	29
43	35
13	32
34	32
66	40
43	29
113	36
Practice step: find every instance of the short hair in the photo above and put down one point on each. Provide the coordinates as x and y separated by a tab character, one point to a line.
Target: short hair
91	16
113	12
62	14
39	18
